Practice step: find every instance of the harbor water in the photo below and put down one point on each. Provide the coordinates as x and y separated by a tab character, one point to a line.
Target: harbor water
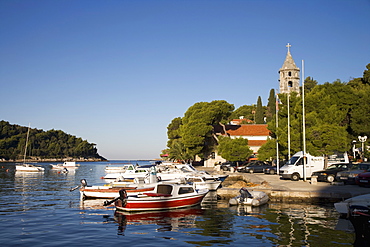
37	209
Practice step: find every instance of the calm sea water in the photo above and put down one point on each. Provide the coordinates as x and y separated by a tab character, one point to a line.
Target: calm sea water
39	210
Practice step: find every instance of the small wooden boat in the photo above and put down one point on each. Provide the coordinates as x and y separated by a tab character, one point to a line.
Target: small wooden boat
164	196
252	198
108	192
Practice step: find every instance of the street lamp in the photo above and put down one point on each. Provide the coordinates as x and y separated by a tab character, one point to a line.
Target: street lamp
354	149
362	139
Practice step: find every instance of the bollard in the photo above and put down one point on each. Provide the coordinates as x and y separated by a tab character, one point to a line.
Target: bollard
314	180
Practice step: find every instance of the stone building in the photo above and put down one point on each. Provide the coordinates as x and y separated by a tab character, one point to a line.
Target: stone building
289	74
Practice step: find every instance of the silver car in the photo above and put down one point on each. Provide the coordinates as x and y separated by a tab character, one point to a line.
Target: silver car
348	177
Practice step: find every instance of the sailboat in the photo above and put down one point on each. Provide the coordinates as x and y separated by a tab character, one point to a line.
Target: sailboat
27	167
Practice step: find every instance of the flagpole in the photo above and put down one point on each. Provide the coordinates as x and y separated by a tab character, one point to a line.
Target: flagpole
304	125
277	140
288	103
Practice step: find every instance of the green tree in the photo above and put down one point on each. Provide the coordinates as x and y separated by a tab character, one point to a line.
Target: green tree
173	130
193	134
366	76
309	84
245	110
234	149
259	112
271	106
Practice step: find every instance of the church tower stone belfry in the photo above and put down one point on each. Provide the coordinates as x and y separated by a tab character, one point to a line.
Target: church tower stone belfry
289	74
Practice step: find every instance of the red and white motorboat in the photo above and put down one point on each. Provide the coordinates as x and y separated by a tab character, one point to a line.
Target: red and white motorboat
164	196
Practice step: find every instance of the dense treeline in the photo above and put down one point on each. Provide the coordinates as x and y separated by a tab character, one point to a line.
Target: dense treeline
52	144
336	114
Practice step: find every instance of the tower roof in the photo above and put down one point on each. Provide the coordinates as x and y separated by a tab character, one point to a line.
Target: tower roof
289	62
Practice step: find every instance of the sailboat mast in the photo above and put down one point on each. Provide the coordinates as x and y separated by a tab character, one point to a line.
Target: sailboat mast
25	148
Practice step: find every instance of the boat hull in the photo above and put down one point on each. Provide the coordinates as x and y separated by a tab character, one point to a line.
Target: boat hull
28	168
259	198
343	207
160	202
110	192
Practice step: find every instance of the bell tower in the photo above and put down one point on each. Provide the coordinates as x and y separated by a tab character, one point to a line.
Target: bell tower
289	74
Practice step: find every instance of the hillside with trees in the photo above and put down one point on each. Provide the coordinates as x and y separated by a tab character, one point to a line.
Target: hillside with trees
43	145
336	114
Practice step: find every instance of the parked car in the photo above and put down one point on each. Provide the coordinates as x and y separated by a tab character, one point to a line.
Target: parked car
348	177
273	169
270	170
330	173
363	179
226	166
254	166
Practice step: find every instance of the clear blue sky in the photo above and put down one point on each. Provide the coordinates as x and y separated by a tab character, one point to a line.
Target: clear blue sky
116	73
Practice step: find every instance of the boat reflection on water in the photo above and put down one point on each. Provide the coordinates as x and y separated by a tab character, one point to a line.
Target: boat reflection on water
167	220
95	204
243	210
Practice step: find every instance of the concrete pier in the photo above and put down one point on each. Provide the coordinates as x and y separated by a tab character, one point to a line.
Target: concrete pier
280	190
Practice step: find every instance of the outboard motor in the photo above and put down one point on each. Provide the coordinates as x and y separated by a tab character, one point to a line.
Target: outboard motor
119	201
244	193
83	182
122	199
83	185
122	194
360	219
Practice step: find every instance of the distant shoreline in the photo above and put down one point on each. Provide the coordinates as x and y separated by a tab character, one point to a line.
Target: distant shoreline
53	160
70	159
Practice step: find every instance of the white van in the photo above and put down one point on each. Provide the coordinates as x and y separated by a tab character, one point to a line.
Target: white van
294	168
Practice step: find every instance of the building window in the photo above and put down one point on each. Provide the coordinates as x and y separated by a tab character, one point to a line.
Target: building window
290	84
289	73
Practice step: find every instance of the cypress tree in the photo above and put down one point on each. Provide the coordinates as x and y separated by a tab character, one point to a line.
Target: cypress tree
259	111
271	106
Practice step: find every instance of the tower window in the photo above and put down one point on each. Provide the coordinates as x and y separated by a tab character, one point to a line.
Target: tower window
290	83
289	73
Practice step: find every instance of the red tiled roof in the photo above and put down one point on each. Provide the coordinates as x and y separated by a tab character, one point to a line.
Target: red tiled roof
244	130
250	130
256	143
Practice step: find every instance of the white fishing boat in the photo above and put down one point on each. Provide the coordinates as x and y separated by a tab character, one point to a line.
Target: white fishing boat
67	165
169	171
27	167
343	207
128	171
201	183
252	198
115	169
